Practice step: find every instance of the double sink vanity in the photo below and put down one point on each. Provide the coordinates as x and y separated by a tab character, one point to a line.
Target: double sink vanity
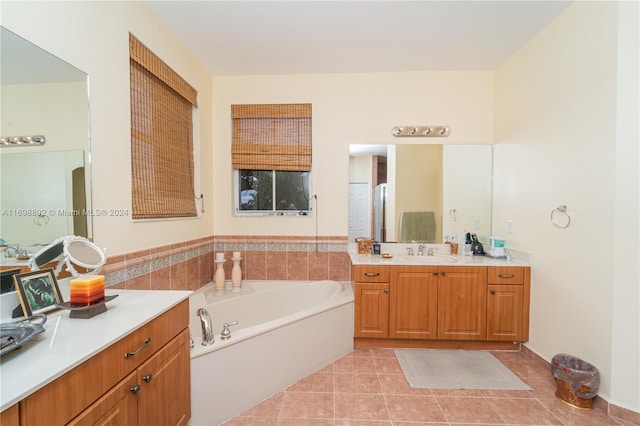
440	301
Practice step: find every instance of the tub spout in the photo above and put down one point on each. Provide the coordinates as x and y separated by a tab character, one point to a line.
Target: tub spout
207	327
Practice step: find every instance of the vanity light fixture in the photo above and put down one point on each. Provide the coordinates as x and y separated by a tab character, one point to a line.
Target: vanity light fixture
421	131
31	140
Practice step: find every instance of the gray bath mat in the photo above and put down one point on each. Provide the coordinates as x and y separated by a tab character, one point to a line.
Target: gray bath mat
456	369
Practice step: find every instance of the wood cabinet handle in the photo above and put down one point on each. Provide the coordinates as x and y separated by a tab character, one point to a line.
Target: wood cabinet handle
492	291
144	345
386	290
442	273
135	389
147	378
435	273
506	275
372	274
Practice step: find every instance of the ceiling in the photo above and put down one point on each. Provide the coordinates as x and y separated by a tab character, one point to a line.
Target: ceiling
303	37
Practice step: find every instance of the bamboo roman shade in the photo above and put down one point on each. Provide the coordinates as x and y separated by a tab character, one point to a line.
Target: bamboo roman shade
271	137
161	138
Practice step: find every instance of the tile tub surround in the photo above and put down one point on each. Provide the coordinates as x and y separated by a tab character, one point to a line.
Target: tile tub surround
190	265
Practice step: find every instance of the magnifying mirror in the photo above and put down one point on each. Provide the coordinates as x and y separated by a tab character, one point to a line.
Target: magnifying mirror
71	251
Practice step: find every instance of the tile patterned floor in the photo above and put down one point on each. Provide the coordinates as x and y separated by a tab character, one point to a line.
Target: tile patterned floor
368	388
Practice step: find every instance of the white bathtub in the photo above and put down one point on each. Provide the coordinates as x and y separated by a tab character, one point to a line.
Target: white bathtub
286	330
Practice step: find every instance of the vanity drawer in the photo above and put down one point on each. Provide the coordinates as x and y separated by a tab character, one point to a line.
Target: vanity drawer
90	380
371	273
505	275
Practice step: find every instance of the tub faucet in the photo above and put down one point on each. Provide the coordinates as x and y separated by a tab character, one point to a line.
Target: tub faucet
207	327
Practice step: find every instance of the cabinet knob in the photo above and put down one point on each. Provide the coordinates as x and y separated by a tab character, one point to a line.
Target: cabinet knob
386	290
442	273
371	274
492	291
135	389
435	273
147	378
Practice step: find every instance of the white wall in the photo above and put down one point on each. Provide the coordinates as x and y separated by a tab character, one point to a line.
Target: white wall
94	37
347	109
560	140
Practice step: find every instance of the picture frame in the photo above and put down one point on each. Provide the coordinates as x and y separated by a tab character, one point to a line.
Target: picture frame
38	292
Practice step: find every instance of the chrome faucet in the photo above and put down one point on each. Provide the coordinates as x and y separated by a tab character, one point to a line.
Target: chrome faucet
9	249
430	252
207	328
420	249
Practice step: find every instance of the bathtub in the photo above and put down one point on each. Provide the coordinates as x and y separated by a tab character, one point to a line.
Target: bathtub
286	330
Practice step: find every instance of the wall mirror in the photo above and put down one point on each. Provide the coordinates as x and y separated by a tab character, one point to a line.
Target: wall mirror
45	190
420	192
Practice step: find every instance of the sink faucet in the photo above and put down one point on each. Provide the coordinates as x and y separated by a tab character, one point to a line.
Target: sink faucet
9	249
430	252
420	249
207	328
410	251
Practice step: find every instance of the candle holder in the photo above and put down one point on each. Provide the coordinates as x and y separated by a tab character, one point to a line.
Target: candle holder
236	273
219	275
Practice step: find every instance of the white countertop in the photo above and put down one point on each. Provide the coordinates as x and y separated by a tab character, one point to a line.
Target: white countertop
67	342
442	257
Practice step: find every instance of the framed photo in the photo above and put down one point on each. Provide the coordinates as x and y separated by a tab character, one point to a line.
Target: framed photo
38	292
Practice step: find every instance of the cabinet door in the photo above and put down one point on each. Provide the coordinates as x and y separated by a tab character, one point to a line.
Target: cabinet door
413	303
504	312
165	385
10	416
462	303
118	407
371	310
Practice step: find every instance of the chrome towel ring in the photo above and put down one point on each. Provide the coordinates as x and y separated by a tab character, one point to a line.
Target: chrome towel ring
561	217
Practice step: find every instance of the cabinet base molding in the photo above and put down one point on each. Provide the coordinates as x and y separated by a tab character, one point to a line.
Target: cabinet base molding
360	342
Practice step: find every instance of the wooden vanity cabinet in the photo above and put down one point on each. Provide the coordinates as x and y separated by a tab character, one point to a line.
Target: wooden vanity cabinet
10	416
371	301
414	302
462	303
428	306
508	304
142	379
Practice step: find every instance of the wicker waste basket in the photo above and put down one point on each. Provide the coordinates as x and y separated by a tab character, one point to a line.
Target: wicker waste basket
577	381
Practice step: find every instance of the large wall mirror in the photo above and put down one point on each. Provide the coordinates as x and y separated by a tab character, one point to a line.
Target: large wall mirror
46	190
420	192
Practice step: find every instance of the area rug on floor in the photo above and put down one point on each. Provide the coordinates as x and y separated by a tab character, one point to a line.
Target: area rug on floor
456	369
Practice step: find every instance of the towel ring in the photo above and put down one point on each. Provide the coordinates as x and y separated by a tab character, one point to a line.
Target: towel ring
561	210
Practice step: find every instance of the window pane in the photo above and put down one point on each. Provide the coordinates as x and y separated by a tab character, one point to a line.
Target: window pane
256	190
292	190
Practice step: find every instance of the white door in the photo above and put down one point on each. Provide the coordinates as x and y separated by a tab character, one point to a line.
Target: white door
359	210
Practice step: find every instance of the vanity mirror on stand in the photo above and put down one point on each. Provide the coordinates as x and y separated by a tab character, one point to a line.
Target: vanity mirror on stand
420	192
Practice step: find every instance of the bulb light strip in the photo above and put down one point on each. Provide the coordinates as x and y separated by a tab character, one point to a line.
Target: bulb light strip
32	140
421	131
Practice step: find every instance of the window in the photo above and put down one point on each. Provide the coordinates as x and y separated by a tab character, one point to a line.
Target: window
271	155
162	170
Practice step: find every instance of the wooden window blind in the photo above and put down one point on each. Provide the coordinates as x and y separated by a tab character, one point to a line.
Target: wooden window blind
271	137
161	138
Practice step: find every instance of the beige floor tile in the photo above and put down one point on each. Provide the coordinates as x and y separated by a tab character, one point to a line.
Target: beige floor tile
414	408
358	406
469	410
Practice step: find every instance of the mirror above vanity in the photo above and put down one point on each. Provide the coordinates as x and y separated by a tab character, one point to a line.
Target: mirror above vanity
420	192
46	189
